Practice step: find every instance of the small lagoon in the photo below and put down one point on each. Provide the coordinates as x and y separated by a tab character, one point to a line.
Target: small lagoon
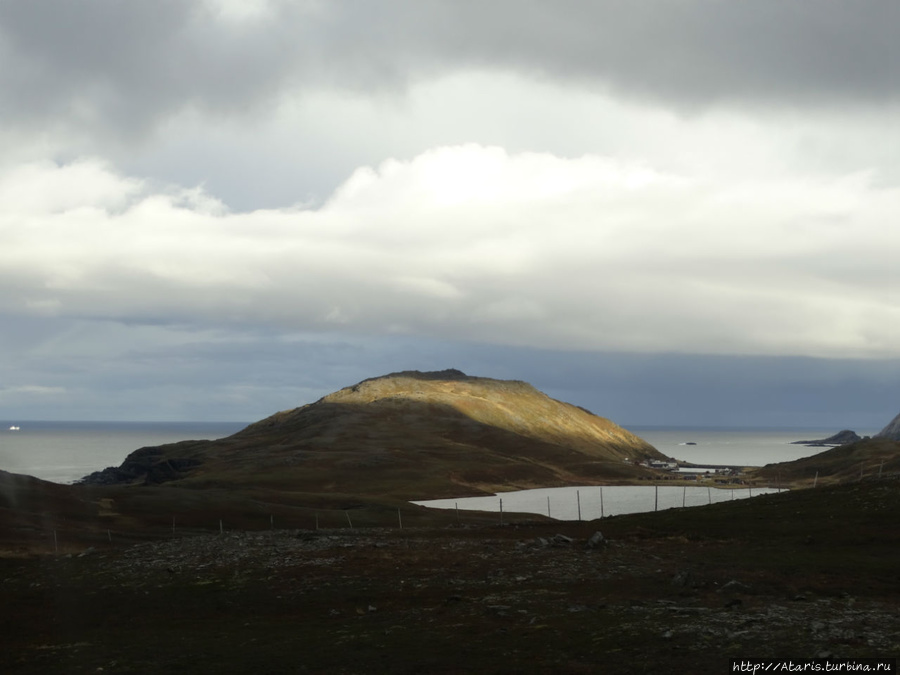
595	502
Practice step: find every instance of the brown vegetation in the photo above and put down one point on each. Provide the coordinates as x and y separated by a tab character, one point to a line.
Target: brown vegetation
291	547
793	575
405	436
870	457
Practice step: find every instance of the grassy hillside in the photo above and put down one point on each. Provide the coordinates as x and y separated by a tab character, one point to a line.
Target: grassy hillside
406	436
796	575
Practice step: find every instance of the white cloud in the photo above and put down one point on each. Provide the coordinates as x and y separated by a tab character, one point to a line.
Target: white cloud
301	149
46	188
30	390
475	243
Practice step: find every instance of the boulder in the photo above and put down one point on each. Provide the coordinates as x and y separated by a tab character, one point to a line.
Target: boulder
596	541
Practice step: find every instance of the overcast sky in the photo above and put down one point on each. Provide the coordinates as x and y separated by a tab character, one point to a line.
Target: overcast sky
667	211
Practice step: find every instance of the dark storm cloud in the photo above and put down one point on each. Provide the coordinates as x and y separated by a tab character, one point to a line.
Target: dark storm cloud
693	52
107	65
126	65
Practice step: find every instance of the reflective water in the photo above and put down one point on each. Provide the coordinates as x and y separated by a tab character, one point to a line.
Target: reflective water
591	502
66	451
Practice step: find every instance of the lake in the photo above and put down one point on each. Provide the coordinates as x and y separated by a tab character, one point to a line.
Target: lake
592	502
698	445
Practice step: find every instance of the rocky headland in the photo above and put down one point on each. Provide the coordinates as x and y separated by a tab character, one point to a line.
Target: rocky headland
892	431
840	438
409	435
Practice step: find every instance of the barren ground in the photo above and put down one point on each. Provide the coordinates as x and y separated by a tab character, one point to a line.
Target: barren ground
802	574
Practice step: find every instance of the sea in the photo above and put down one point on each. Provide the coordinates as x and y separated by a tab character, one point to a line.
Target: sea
64	452
744	446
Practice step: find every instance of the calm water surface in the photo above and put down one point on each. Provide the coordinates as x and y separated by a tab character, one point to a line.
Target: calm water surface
590	502
744	447
66	451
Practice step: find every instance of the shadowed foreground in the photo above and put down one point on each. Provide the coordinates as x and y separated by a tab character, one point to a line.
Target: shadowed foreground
801	574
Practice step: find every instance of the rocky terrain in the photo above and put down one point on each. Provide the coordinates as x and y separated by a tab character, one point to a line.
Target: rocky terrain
891	431
794	575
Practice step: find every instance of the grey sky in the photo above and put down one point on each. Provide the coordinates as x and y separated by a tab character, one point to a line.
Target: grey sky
129	66
193	194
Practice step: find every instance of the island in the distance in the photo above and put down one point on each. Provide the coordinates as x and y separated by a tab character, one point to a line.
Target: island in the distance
840	438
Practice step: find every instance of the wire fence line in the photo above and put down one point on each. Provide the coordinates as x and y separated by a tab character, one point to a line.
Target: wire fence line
579	504
595	502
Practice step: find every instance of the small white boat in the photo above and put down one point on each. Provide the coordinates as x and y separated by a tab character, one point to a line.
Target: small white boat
14	428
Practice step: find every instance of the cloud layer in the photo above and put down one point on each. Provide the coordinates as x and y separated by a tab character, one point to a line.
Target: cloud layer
217	206
471	242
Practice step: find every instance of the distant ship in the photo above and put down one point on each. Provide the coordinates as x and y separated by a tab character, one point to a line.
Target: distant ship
14	428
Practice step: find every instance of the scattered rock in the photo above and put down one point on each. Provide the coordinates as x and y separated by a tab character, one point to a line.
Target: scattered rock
597	540
683	578
734	586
